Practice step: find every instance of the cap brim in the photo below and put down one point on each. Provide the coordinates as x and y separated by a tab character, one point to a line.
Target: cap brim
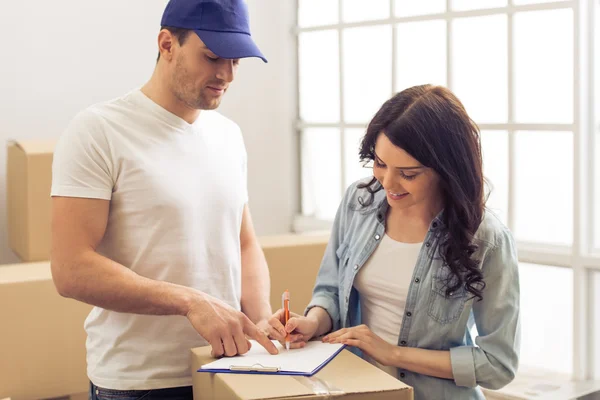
230	45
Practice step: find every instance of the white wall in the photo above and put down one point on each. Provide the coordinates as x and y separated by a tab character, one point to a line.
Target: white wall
60	56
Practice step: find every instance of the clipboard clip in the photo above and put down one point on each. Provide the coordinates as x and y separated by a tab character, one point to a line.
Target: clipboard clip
253	368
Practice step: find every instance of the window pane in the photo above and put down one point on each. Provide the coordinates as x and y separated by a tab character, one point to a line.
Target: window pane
321	172
353	167
543	66
317	12
319	76
544	187
596	202
367	71
430	65
546	341
596	322
494	148
405	8
361	10
479	65
460	5
596	158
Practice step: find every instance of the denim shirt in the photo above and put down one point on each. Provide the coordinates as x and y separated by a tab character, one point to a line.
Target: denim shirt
431	320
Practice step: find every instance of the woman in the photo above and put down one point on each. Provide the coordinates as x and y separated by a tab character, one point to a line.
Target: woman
414	261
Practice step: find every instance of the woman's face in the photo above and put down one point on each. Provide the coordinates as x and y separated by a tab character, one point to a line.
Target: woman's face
407	183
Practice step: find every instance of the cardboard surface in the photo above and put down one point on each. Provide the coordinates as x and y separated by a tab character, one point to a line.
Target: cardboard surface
347	376
42	340
79	396
29	177
294	262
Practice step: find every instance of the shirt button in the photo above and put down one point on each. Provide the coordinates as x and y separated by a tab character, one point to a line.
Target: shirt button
435	224
417	280
428	244
403	343
409	314
402	375
450	294
355	267
377	237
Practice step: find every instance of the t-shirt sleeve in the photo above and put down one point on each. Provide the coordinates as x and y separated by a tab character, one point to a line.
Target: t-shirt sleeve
82	163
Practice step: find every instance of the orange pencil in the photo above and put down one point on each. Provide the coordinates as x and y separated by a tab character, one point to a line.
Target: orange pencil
286	312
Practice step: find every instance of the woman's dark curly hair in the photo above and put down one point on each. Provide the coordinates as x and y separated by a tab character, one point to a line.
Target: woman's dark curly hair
431	124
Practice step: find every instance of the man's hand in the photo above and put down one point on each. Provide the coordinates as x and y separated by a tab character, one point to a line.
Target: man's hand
225	328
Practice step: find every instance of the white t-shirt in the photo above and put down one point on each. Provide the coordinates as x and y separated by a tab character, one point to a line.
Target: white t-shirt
177	193
383	284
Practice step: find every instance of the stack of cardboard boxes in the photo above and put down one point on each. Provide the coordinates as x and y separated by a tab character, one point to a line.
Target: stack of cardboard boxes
42	340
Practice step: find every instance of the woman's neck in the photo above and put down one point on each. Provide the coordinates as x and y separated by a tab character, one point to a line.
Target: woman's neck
410	225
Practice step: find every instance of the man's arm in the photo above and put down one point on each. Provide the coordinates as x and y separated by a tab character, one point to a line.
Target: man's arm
79	272
256	284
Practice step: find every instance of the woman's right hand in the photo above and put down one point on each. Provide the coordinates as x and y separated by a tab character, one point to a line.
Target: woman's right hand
300	328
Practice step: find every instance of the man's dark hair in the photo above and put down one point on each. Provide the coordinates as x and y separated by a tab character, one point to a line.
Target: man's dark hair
180	34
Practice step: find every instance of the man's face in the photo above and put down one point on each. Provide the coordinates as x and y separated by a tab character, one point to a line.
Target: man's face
199	78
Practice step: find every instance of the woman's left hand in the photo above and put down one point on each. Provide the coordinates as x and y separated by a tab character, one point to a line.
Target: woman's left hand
363	338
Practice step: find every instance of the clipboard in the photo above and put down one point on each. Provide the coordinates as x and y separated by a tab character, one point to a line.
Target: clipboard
297	362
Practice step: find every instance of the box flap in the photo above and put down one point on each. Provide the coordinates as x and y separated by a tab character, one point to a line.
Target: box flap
36	146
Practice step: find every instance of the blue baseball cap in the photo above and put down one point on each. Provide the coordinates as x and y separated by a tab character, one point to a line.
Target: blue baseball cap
223	25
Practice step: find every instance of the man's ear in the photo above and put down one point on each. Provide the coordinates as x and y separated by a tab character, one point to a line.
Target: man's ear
166	44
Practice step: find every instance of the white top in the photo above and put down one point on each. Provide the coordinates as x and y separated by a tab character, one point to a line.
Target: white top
177	194
383	284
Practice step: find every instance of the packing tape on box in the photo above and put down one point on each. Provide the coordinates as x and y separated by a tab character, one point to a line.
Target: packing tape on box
319	386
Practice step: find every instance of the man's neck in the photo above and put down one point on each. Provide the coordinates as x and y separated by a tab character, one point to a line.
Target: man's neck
157	91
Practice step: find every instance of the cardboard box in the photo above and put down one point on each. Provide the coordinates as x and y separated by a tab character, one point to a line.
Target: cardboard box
294	262
352	377
79	396
42	340
29	177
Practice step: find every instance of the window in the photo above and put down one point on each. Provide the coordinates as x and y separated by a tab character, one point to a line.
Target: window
532	92
542	348
596	324
595	178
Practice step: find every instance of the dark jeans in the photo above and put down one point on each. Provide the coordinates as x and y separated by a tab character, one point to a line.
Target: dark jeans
177	393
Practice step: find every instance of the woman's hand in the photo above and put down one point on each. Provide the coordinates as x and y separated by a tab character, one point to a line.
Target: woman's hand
301	329
363	338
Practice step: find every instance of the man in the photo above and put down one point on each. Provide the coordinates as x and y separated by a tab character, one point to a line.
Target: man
150	217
